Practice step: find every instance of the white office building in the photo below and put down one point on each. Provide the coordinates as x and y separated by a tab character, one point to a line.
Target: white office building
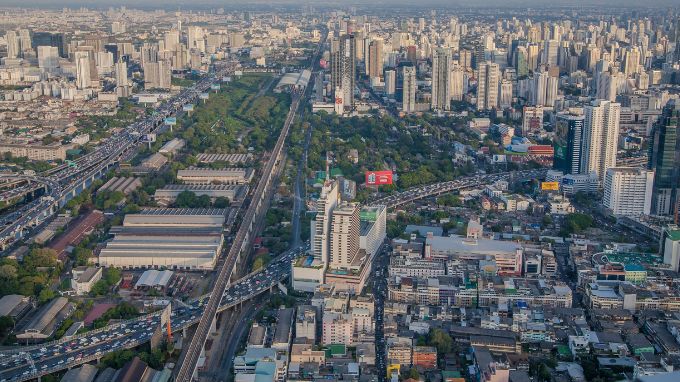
628	191
600	137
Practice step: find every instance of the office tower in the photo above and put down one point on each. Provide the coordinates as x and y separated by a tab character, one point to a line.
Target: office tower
600	137
13	44
441	79
532	120
343	68
465	59
320	226
608	84
520	62
390	82
375	58
149	54
113	49
83	77
158	75
122	74
457	83
104	62
488	75
48	57
628	191
505	94
195	38
171	40
550	49
568	143
631	61
664	158
544	91
49	39
532	56
344	235
24	40
409	90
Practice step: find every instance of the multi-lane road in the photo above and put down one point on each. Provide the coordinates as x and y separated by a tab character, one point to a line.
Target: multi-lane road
122	146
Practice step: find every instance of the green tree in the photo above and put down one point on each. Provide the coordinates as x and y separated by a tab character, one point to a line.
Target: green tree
441	340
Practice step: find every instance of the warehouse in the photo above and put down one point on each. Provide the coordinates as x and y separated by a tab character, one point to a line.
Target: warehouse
236	175
46	321
172	238
235	193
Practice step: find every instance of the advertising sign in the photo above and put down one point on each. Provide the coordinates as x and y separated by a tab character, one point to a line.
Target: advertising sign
171	121
378	178
550	186
188	107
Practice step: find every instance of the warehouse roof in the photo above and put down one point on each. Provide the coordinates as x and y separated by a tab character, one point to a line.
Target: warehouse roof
153	278
10	302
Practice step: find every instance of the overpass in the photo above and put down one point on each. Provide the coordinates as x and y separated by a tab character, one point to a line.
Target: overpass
120	147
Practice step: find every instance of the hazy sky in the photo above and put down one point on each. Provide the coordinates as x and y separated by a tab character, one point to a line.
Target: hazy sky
202	4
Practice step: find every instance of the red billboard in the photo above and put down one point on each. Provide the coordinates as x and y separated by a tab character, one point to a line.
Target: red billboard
378	178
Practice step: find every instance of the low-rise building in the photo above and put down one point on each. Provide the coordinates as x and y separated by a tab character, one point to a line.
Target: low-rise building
84	278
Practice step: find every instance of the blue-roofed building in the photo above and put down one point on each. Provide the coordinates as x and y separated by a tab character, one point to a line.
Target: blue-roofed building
259	365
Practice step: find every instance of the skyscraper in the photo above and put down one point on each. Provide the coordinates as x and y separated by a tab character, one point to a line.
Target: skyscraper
441	79
49	39
568	143
48	57
121	74
409	90
550	49
627	190
343	68
375	54
390	82
664	158
83	78
457	83
600	137
321	224
13	44
488	75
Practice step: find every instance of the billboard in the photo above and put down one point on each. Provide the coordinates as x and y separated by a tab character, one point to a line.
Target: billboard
204	96
550	186
171	121
215	86
378	178
188	107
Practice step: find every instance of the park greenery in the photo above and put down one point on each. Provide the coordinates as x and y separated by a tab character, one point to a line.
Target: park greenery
414	152
32	276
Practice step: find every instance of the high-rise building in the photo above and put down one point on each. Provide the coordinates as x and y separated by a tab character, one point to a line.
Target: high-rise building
343	68
628	191
532	56
465	59
457	83
158	75
568	143
532	120
409	90
375	54
49	39
505	94
320	226
631	61
441	79
390	82
670	246
48	57
122	74
13	44
488	75
520	62
344	235
600	137
171	40
550	49
664	158
83	77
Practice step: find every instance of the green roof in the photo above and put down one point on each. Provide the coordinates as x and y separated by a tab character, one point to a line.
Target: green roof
634	268
674	234
337	349
563	350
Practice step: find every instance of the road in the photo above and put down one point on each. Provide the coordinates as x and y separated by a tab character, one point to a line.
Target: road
379	284
121	146
188	361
